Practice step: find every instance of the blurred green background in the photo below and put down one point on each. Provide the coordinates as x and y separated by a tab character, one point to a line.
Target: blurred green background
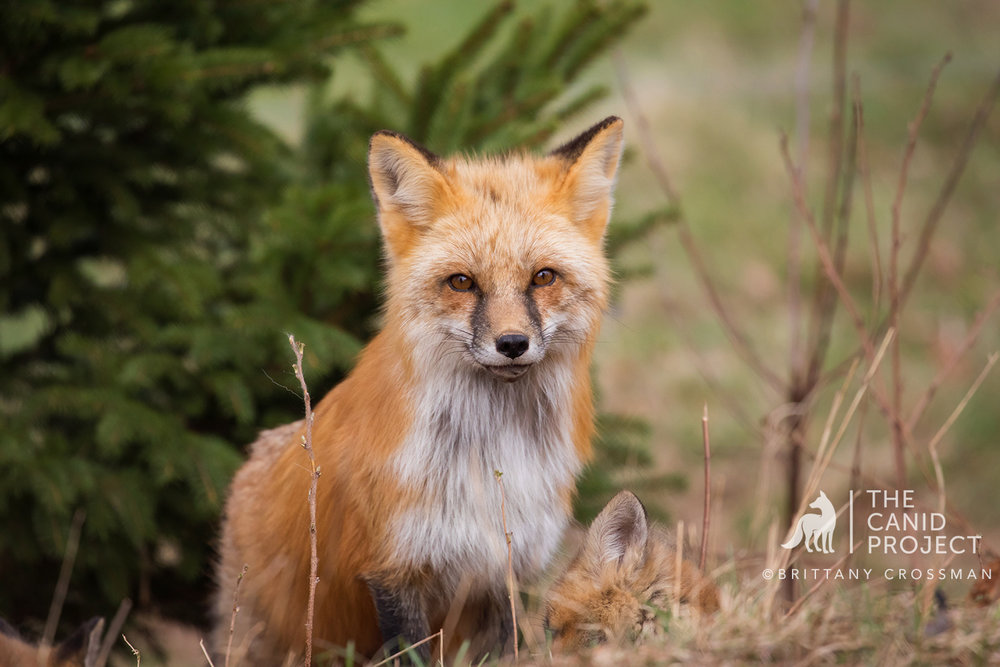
195	191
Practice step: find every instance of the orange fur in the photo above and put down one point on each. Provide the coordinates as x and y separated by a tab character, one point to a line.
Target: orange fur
625	571
78	650
407	507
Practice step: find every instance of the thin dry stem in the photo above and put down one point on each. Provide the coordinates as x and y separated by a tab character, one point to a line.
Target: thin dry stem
678	569
806	40
837	180
115	627
135	651
298	349
511	591
204	651
894	294
838	398
865	384
65	572
236	608
823	249
936	440
728	399
741	344
977	326
864	170
829	266
929	226
437	635
707	512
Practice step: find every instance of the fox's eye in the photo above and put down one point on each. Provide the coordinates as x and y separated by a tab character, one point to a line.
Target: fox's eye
543	278
461	282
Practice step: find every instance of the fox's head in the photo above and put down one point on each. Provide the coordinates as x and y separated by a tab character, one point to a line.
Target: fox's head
496	262
623	577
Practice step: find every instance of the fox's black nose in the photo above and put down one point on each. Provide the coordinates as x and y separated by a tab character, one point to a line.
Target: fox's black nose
512	345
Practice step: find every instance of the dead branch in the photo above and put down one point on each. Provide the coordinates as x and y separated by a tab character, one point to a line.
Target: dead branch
298	348
511	590
951	181
236	608
936	440
973	335
706	513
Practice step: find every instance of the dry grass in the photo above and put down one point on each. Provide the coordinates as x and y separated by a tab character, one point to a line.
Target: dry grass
856	625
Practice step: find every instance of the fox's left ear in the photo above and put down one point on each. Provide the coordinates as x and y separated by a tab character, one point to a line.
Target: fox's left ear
618	535
591	164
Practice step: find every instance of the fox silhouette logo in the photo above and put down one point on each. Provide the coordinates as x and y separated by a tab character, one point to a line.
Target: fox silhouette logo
815	527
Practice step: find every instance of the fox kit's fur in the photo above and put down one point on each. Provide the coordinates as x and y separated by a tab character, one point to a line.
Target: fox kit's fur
496	284
626	570
78	650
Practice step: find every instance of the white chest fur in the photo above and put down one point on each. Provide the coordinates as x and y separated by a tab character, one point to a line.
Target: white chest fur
467	426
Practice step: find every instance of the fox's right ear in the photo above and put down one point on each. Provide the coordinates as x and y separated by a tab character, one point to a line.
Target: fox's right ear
407	185
618	535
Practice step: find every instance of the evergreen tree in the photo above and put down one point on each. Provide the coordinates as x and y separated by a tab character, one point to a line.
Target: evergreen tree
158	242
132	179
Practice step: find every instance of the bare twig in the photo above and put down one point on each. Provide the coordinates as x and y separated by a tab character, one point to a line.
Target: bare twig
741	344
707	512
135	651
437	635
936	440
855	477
729	400
678	569
115	627
951	181
864	170
838	179
806	39
895	305
977	326
204	651
511	591
298	348
236	608
65	572
823	248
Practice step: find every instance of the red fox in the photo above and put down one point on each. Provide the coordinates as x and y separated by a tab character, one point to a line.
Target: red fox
624	573
496	285
78	650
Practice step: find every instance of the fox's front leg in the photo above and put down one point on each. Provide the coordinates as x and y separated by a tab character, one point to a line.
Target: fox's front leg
486	624
402	618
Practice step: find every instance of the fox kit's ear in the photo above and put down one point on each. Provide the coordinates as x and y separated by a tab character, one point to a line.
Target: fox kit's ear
406	184
591	165
618	535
